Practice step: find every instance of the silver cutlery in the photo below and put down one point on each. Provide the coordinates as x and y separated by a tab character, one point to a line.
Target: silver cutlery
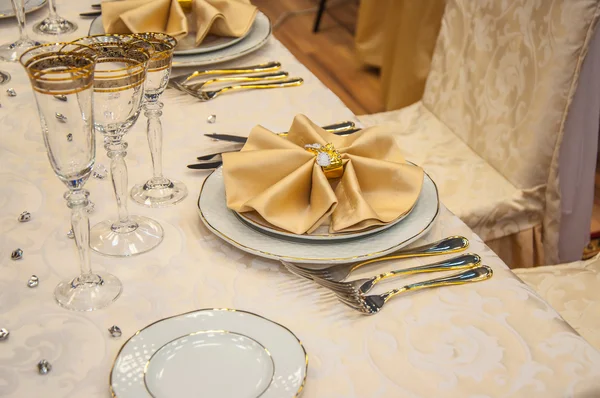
337	273
363	286
374	303
91	14
261	68
210	95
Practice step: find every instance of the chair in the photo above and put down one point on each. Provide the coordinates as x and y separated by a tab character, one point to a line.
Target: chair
571	289
491	127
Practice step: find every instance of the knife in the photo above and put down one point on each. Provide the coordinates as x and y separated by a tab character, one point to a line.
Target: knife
205	166
342	128
91	14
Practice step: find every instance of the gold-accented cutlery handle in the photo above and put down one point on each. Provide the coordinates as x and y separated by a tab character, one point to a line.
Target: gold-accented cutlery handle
473	275
260	86
267	67
254	78
449	245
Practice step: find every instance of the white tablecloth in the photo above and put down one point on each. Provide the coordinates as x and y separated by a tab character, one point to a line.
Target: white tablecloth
492	339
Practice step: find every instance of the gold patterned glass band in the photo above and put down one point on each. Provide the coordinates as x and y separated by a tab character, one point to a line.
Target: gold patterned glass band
163	49
60	68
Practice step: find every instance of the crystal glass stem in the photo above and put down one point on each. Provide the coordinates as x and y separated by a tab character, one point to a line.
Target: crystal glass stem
153	112
52	7
77	201
19	9
116	151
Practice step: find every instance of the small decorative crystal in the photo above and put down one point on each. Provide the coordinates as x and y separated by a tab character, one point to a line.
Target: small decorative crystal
44	367
115	331
60	117
71	234
323	159
69	137
60	97
90	207
211	119
4	334
11	92
17	254
99	171
25	216
33	281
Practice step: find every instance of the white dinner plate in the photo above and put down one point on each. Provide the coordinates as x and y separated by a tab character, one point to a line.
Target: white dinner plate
224	223
187	45
257	37
210	353
6	10
321	234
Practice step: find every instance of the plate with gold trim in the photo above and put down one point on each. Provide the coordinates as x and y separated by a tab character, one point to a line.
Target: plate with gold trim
6	10
224	223
210	353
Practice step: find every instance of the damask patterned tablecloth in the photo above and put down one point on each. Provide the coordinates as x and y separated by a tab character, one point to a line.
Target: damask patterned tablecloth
492	339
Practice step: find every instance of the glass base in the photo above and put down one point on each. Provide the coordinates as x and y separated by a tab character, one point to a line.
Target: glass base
159	193
54	26
139	235
88	292
13	51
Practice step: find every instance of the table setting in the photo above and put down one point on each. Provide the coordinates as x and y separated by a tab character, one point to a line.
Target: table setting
259	231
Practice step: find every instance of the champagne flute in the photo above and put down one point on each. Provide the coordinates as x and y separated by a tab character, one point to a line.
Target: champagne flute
12	51
54	24
119	78
68	70
158	191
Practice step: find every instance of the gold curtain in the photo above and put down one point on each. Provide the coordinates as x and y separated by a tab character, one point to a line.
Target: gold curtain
399	37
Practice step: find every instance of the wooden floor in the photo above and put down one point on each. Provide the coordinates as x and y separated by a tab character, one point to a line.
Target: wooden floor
328	54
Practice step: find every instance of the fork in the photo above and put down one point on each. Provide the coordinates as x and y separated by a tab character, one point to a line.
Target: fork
194	88
372	304
261	68
337	273
363	286
209	95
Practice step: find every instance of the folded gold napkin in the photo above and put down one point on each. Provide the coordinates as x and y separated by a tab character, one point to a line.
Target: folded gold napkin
219	17
281	180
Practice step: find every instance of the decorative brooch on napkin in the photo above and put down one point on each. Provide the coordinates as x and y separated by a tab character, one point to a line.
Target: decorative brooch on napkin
298	182
232	18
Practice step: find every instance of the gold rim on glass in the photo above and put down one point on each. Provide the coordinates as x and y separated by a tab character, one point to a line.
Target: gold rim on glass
161	59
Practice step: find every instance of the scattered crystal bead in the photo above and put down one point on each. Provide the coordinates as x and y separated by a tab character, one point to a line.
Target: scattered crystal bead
17	254
99	171
11	92
71	234
211	119
4	334
25	216
69	137
33	281
115	331
44	367
60	97
60	117
90	207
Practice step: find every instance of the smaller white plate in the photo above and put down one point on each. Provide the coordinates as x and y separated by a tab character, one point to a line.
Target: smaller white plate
6	10
204	364
187	45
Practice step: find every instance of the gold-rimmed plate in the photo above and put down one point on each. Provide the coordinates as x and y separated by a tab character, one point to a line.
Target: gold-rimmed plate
213	353
6	10
224	223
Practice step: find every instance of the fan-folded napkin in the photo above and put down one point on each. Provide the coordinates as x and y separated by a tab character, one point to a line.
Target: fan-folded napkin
280	180
219	17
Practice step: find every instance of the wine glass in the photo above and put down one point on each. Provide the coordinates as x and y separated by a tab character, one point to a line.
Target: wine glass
119	78
67	126
12	51
158	191
54	24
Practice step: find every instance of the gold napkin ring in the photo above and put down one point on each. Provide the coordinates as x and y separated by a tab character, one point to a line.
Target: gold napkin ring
328	158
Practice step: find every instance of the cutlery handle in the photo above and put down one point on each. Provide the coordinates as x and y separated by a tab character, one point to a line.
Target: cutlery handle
462	262
260	86
267	67
255	78
472	275
449	245
336	128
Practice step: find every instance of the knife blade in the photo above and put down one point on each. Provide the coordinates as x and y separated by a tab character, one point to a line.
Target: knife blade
91	14
205	166
240	139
